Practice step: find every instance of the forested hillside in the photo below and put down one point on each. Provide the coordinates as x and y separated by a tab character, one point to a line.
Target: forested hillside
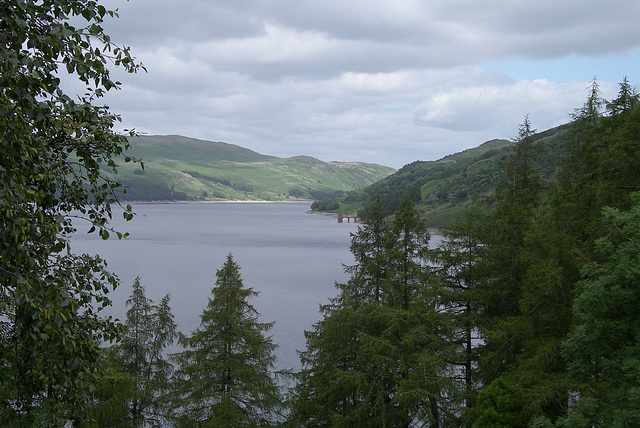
446	188
179	168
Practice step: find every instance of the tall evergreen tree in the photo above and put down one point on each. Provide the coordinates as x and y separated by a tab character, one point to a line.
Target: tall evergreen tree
505	227
458	262
149	330
507	310
369	247
627	99
225	373
600	169
379	355
604	350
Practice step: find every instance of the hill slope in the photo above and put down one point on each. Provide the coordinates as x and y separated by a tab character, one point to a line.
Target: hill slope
447	187
181	168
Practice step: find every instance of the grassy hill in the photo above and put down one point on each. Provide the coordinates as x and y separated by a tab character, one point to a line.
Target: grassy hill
445	188
181	168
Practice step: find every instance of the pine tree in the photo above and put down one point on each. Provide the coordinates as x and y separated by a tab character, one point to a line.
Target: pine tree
604	350
627	99
112	394
579	178
379	355
505	227
600	169
407	250
506	319
149	330
225	373
369	247
458	263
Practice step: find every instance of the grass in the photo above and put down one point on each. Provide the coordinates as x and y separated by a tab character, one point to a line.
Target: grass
208	170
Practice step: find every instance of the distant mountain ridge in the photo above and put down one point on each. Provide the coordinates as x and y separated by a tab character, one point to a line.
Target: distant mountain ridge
182	168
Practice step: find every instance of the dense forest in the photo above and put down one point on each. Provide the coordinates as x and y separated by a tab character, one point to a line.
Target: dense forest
524	315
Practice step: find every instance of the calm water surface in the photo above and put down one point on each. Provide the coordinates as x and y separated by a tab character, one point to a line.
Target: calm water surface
291	258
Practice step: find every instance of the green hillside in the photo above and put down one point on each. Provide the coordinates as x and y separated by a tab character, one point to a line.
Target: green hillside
181	168
447	187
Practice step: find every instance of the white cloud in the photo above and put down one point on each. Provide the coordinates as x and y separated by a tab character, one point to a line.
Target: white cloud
389	81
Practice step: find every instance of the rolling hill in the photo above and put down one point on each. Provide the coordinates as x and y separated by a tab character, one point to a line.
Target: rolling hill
445	188
182	168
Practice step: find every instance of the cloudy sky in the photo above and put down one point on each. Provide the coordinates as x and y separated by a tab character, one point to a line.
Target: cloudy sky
384	81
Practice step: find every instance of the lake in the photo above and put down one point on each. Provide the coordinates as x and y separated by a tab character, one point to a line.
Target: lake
292	258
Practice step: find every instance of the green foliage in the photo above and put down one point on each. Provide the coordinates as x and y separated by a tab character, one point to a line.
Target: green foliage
325	205
604	350
502	404
510	212
149	330
533	257
446	188
224	375
458	260
523	302
53	154
110	398
503	285
379	355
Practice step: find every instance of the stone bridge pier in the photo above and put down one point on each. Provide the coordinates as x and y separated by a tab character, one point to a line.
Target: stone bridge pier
341	218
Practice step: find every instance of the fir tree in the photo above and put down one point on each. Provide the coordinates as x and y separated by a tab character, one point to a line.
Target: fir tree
505	227
379	355
149	330
600	169
604	350
458	261
369	247
225	373
506	319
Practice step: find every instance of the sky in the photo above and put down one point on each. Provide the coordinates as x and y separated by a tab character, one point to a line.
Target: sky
380	81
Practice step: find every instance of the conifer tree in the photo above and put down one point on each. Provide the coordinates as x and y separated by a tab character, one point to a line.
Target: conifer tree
368	247
627	99
407	250
149	330
225	373
379	355
458	260
506	319
579	176
604	350
112	394
600	169
506	225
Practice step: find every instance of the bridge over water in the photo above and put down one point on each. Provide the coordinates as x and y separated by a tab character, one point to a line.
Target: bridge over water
341	218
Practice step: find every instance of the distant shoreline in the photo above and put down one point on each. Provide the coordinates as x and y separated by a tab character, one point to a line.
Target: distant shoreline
310	201
257	201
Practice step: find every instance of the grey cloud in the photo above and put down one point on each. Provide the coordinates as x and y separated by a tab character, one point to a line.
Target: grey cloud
389	81
374	36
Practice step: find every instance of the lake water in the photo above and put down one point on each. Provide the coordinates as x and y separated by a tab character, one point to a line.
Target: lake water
292	258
